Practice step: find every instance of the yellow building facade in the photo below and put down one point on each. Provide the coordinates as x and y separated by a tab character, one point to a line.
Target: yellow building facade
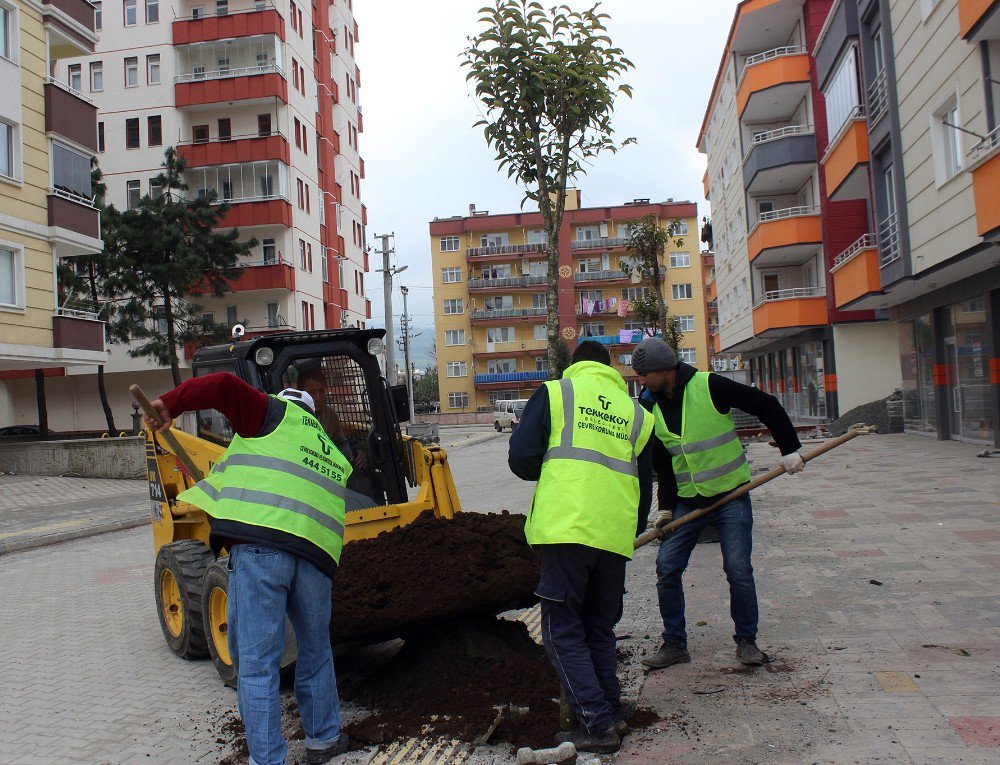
490	302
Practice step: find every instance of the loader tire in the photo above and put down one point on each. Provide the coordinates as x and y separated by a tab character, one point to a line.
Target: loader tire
215	597
177	584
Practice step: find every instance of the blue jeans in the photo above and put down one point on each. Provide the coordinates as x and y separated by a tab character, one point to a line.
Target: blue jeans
734	522
264	585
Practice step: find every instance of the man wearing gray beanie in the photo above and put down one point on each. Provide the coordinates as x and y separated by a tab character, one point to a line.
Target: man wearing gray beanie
698	458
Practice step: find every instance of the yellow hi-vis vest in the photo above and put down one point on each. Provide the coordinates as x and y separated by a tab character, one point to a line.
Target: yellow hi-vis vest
588	491
707	456
290	480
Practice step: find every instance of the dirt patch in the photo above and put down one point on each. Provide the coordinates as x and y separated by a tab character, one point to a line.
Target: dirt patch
643	717
431	571
451	681
233	736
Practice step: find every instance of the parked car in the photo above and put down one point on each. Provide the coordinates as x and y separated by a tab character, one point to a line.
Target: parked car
508	413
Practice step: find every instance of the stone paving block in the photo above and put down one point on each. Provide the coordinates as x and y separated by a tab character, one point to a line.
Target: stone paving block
978	731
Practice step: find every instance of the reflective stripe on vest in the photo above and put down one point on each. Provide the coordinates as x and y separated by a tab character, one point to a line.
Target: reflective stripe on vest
273	500
275	463
566	450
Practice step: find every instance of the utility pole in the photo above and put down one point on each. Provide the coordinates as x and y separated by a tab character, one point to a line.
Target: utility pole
387	271
406	350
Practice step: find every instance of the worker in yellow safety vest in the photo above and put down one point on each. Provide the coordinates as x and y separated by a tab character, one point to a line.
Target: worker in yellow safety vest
583	438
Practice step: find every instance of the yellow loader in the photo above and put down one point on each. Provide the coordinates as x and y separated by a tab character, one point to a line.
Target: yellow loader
395	478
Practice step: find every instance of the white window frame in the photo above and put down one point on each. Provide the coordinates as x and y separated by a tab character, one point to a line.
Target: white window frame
946	142
682	227
96	76
458	400
540	332
500	335
583	233
497	239
675	292
454	337
133	69
132	5
681	260
451	275
129	185
155	5
450	244
460	369
451	303
10	37
14	137
153	63
687	355
509	366
686	323
17	273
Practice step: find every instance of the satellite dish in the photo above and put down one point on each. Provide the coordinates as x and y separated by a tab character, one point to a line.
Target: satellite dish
238	331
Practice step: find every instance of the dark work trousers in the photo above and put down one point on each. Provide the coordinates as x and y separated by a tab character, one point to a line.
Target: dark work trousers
581	597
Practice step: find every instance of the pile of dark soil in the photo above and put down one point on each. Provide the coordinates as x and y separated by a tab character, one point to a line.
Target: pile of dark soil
431	571
450	681
873	413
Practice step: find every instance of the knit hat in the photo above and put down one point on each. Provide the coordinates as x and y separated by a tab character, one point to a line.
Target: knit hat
299	397
653	355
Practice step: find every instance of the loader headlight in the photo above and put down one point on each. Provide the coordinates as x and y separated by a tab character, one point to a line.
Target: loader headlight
375	346
264	356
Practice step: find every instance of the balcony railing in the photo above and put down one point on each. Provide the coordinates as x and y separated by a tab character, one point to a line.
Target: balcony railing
507	281
790	294
785	213
280	260
878	97
985	146
776	134
206	13
858	112
509	377
504	249
599	276
862	243
888	241
598	244
507	313
712	305
636	337
68	89
226	73
76	313
784	50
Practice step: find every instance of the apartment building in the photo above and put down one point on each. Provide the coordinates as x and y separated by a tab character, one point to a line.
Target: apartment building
490	302
261	100
785	211
47	135
917	81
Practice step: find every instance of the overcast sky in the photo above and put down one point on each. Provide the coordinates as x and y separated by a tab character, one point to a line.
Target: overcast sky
423	159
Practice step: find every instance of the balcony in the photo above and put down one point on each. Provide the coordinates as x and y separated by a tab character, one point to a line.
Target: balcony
888	241
229	26
236	150
773	84
81	330
855	271
780	161
257	212
601	243
978	20
600	276
509	377
625	337
846	159
785	237
490	314
509	282
785	312
70	114
985	169
505	249
74	223
62	16
241	69
265	275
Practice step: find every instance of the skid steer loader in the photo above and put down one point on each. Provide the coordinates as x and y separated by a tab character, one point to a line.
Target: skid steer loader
362	415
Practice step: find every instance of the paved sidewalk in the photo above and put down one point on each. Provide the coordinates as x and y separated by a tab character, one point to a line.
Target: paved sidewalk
36	510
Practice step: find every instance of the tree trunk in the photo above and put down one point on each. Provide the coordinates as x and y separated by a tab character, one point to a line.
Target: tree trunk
660	302
103	391
43	411
552	305
168	315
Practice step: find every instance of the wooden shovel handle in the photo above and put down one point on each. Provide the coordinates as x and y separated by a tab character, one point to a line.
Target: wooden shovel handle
167	435
652	534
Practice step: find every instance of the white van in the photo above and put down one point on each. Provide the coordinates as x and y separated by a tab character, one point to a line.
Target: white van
508	413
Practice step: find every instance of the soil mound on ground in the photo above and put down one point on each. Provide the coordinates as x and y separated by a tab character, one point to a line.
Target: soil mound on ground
431	571
451	680
873	413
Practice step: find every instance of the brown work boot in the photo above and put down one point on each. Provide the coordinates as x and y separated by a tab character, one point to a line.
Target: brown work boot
667	654
748	653
321	756
600	743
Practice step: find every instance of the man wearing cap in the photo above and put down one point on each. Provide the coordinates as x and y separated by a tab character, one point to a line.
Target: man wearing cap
584	440
275	500
698	458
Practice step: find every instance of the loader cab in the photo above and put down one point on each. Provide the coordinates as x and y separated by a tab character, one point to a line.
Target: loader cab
340	370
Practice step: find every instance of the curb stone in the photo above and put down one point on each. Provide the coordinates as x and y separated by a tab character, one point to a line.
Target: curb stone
30	543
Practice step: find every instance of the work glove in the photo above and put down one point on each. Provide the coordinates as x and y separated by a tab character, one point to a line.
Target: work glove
792	463
661	519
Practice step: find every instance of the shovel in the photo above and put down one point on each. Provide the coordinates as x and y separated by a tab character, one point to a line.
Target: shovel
649	536
167	435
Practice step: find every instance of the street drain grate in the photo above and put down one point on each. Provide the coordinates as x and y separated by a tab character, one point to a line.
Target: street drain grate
417	751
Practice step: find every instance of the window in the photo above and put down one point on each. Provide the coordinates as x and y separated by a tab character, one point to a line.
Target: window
263	124
130	17
6	150
132	194
268	250
453	306
272	315
541	364
540	332
682	227
451	275
98	15
454	337
493	240
296	126
500	335
680	259
501	366
540	236
153	69
197	11
449	244
301	189
292	9
878	52
632	293
592	329
152	11
947	138
231	315
132	133
221	7
685	323
74	77
457	369
96	76
687	355
10	268
681	291
199	133
302	254
589	265
225	129
155	189
131	72
539	300
585	233
458	400
100	137
499	303
841	94
154	130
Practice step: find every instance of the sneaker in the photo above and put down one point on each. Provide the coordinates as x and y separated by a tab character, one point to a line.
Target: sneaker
320	756
668	653
600	743
748	653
